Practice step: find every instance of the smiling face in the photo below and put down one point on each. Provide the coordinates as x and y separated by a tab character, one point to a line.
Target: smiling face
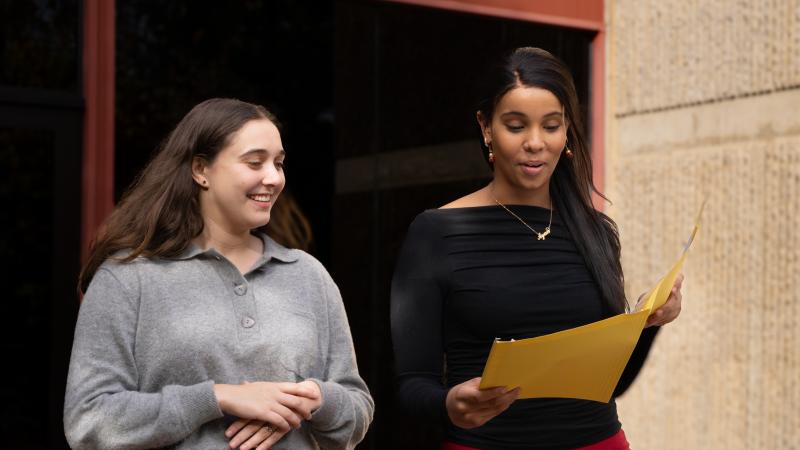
242	183
528	133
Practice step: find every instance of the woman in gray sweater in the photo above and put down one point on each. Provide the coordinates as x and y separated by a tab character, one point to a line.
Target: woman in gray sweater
196	329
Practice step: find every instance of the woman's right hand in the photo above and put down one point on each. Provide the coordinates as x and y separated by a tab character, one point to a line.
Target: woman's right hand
284	405
246	434
469	407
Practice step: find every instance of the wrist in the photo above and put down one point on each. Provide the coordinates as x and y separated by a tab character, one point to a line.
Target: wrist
221	392
315	386
448	401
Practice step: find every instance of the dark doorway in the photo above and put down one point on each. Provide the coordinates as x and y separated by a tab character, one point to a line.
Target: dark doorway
40	191
41	110
407	140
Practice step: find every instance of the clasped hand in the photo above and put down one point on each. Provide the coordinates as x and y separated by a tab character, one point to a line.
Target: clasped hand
267	410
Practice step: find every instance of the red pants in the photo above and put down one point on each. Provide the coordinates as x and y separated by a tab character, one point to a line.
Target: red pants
615	442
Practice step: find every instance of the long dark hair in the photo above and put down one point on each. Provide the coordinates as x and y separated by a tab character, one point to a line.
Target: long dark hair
571	186
159	215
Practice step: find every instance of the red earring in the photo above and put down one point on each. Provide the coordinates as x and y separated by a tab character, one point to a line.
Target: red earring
569	153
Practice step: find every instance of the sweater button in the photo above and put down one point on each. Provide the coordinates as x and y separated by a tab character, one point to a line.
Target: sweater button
240	289
248	322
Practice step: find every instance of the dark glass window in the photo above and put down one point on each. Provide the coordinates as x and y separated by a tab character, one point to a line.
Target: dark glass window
39	269
173	55
39	44
412	75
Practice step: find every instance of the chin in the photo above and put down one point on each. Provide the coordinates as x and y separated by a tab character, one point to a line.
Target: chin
529	185
258	223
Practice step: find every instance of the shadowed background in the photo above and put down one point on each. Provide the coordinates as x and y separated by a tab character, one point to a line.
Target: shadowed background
377	100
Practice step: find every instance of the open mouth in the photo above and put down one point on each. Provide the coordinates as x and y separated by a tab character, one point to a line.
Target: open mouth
265	198
534	164
532	168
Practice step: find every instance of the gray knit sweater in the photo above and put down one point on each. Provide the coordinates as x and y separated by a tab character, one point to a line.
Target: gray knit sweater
153	336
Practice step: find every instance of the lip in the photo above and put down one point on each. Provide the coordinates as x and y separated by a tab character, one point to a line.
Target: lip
528	167
260	203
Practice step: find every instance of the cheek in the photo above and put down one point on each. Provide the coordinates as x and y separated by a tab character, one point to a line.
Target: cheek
558	141
507	143
280	185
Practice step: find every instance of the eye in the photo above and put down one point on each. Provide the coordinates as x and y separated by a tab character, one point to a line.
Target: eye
280	165
255	164
514	128
552	128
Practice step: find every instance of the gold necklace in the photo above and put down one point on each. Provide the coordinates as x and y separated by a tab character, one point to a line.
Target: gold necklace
539	236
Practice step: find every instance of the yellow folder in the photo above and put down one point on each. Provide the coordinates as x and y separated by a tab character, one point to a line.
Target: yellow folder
584	362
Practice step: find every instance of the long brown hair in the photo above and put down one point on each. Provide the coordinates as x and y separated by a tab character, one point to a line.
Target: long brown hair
288	225
159	215
571	186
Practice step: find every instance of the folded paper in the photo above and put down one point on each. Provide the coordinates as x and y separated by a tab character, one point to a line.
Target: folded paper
584	362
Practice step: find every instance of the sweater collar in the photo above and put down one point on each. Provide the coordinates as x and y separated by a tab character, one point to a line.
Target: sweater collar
272	250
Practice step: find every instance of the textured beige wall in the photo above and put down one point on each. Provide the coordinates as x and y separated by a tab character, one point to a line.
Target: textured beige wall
704	102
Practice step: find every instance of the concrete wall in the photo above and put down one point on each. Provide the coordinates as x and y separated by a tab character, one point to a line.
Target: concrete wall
704	102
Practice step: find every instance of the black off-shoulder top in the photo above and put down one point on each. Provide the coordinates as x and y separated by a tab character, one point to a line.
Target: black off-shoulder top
466	276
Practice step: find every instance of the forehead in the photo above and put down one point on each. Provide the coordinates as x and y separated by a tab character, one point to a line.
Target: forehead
530	101
260	133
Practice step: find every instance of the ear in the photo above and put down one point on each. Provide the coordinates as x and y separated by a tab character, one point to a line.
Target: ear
199	169
486	130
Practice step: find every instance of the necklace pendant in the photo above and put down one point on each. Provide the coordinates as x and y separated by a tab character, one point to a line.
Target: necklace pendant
542	235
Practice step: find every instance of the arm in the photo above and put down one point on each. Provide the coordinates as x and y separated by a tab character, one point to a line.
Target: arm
636	360
103	407
417	298
419	287
346	411
664	315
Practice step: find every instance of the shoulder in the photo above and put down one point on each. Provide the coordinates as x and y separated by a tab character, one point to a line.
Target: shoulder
425	225
293	258
141	271
306	262
116	268
318	287
115	283
302	265
477	198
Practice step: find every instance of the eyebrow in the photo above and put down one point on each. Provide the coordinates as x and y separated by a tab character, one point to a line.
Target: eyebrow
517	113
281	152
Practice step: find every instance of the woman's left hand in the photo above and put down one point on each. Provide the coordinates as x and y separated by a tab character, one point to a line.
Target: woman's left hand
670	310
249	434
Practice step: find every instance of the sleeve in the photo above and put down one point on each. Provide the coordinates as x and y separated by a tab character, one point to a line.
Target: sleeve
103	407
636	361
417	298
347	407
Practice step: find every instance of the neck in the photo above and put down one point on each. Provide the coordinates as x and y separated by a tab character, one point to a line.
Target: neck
226	241
507	194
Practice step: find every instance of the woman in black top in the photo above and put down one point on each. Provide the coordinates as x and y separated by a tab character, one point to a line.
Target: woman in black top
525	256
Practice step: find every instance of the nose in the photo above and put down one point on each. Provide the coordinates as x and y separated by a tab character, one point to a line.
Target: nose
533	142
272	176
